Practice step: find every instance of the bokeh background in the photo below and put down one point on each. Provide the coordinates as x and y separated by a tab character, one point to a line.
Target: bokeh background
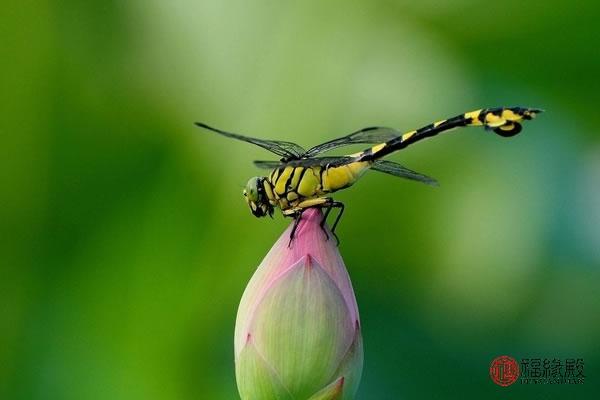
126	243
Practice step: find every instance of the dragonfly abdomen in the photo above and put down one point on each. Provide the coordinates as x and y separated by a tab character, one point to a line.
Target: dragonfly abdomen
343	176
504	121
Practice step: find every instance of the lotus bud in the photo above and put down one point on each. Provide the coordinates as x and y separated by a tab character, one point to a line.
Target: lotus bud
297	333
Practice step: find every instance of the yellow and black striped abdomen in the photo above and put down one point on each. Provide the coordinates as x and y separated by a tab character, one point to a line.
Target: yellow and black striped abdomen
343	176
504	121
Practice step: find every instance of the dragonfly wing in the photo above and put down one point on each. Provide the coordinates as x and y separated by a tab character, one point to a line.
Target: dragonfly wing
268	164
396	169
284	149
374	134
305	162
333	161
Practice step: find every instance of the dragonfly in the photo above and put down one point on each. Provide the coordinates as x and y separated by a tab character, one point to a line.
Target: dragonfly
303	179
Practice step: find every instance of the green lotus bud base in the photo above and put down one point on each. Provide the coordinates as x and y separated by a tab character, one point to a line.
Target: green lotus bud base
297	333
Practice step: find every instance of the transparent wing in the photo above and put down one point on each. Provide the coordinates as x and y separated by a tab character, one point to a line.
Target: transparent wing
305	162
395	169
287	150
268	164
374	134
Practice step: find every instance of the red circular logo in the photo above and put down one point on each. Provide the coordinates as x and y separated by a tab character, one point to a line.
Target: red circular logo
504	370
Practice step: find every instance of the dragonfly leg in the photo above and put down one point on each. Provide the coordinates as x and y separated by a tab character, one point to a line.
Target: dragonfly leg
296	212
297	217
330	204
327	208
339	205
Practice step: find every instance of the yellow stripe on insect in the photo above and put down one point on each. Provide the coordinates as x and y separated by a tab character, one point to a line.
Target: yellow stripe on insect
510	115
274	175
268	189
309	183
435	125
494	121
377	148
296	177
408	135
358	168
291	196
282	179
473	116
337	177
508	127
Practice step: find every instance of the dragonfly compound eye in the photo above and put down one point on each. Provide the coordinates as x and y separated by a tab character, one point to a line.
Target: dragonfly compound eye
252	189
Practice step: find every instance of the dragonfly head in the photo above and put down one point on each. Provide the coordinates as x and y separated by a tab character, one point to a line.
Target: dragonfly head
257	198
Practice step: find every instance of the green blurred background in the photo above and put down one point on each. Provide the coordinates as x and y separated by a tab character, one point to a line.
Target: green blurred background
126	243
